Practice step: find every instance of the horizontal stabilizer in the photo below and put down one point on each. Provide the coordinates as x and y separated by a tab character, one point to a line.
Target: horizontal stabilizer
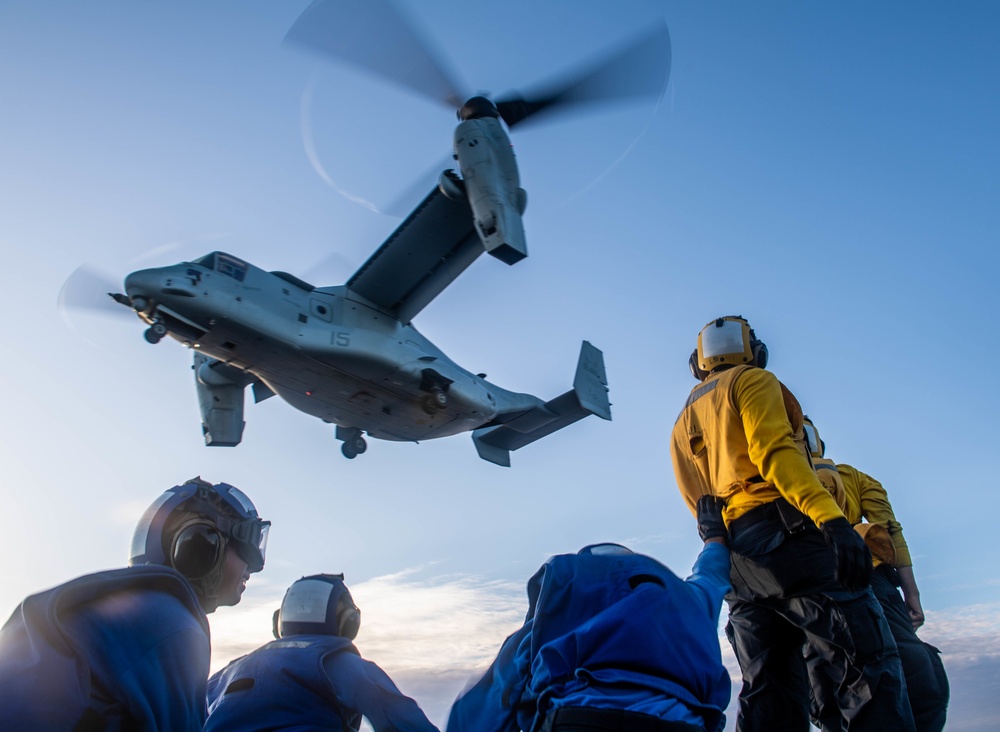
589	395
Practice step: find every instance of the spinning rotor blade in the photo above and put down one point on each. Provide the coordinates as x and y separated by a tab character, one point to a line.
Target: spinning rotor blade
640	68
87	290
376	36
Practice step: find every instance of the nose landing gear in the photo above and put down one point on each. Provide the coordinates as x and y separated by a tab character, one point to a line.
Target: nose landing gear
155	332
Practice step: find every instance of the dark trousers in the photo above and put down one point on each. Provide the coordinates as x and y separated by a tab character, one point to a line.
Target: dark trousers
926	681
785	597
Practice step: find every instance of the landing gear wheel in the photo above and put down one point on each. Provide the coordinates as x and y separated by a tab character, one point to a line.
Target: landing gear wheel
354	447
155	332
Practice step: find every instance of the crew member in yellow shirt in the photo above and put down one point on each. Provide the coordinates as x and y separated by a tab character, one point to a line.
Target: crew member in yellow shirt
866	505
800	574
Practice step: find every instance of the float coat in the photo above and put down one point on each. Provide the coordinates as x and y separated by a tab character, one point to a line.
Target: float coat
308	683
603	632
826	471
126	648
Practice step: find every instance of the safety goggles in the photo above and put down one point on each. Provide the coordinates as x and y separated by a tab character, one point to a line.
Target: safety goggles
248	537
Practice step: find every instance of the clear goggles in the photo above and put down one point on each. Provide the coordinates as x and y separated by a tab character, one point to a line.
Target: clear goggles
249	537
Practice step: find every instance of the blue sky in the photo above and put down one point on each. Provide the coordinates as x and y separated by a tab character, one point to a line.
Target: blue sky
830	171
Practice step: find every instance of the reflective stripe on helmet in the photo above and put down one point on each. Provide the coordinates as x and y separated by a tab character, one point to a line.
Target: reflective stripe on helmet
141	536
237	499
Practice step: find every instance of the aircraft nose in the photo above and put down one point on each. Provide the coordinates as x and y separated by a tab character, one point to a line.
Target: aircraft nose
159	284
141	283
139	286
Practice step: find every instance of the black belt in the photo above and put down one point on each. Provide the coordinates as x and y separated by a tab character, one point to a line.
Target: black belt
580	719
777	511
759	514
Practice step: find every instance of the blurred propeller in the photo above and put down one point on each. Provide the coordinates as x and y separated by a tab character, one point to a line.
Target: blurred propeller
87	290
374	35
637	69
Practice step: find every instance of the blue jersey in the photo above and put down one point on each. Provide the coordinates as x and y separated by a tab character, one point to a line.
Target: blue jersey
308	683
612	632
127	648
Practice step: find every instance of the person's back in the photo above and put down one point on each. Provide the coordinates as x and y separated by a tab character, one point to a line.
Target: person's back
281	685
611	638
311	677
101	647
866	505
129	648
926	680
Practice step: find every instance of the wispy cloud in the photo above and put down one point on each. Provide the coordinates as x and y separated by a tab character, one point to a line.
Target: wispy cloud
966	635
447	623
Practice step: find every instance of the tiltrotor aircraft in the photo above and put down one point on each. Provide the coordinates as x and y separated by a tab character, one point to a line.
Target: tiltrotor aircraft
349	354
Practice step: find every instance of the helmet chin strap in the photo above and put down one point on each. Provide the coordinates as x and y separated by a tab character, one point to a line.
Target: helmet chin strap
207	587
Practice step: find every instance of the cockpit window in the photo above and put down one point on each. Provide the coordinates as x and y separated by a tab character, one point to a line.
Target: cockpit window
224	264
230	266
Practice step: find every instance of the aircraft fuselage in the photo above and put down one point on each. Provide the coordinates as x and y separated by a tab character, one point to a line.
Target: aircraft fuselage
325	351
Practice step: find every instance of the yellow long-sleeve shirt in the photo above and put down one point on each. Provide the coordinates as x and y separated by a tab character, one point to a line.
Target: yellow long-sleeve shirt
733	439
866	498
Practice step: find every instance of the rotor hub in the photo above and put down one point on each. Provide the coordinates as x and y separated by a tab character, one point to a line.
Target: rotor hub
477	108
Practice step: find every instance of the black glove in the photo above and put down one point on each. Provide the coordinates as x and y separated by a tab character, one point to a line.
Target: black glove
850	554
710	523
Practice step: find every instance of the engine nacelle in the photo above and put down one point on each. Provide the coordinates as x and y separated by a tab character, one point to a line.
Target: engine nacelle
220	398
492	185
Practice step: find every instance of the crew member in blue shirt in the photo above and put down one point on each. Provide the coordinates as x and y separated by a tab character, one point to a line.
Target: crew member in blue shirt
311	677
129	648
612	640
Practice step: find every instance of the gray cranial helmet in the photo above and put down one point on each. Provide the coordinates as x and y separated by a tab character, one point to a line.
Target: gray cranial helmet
189	527
318	605
606	549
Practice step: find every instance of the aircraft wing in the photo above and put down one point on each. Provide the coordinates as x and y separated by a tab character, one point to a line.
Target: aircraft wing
432	247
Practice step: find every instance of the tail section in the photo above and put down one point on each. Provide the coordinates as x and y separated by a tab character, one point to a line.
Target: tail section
588	396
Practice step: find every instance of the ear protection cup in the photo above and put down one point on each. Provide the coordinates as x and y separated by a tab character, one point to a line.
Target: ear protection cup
348	619
759	351
197	549
696	372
